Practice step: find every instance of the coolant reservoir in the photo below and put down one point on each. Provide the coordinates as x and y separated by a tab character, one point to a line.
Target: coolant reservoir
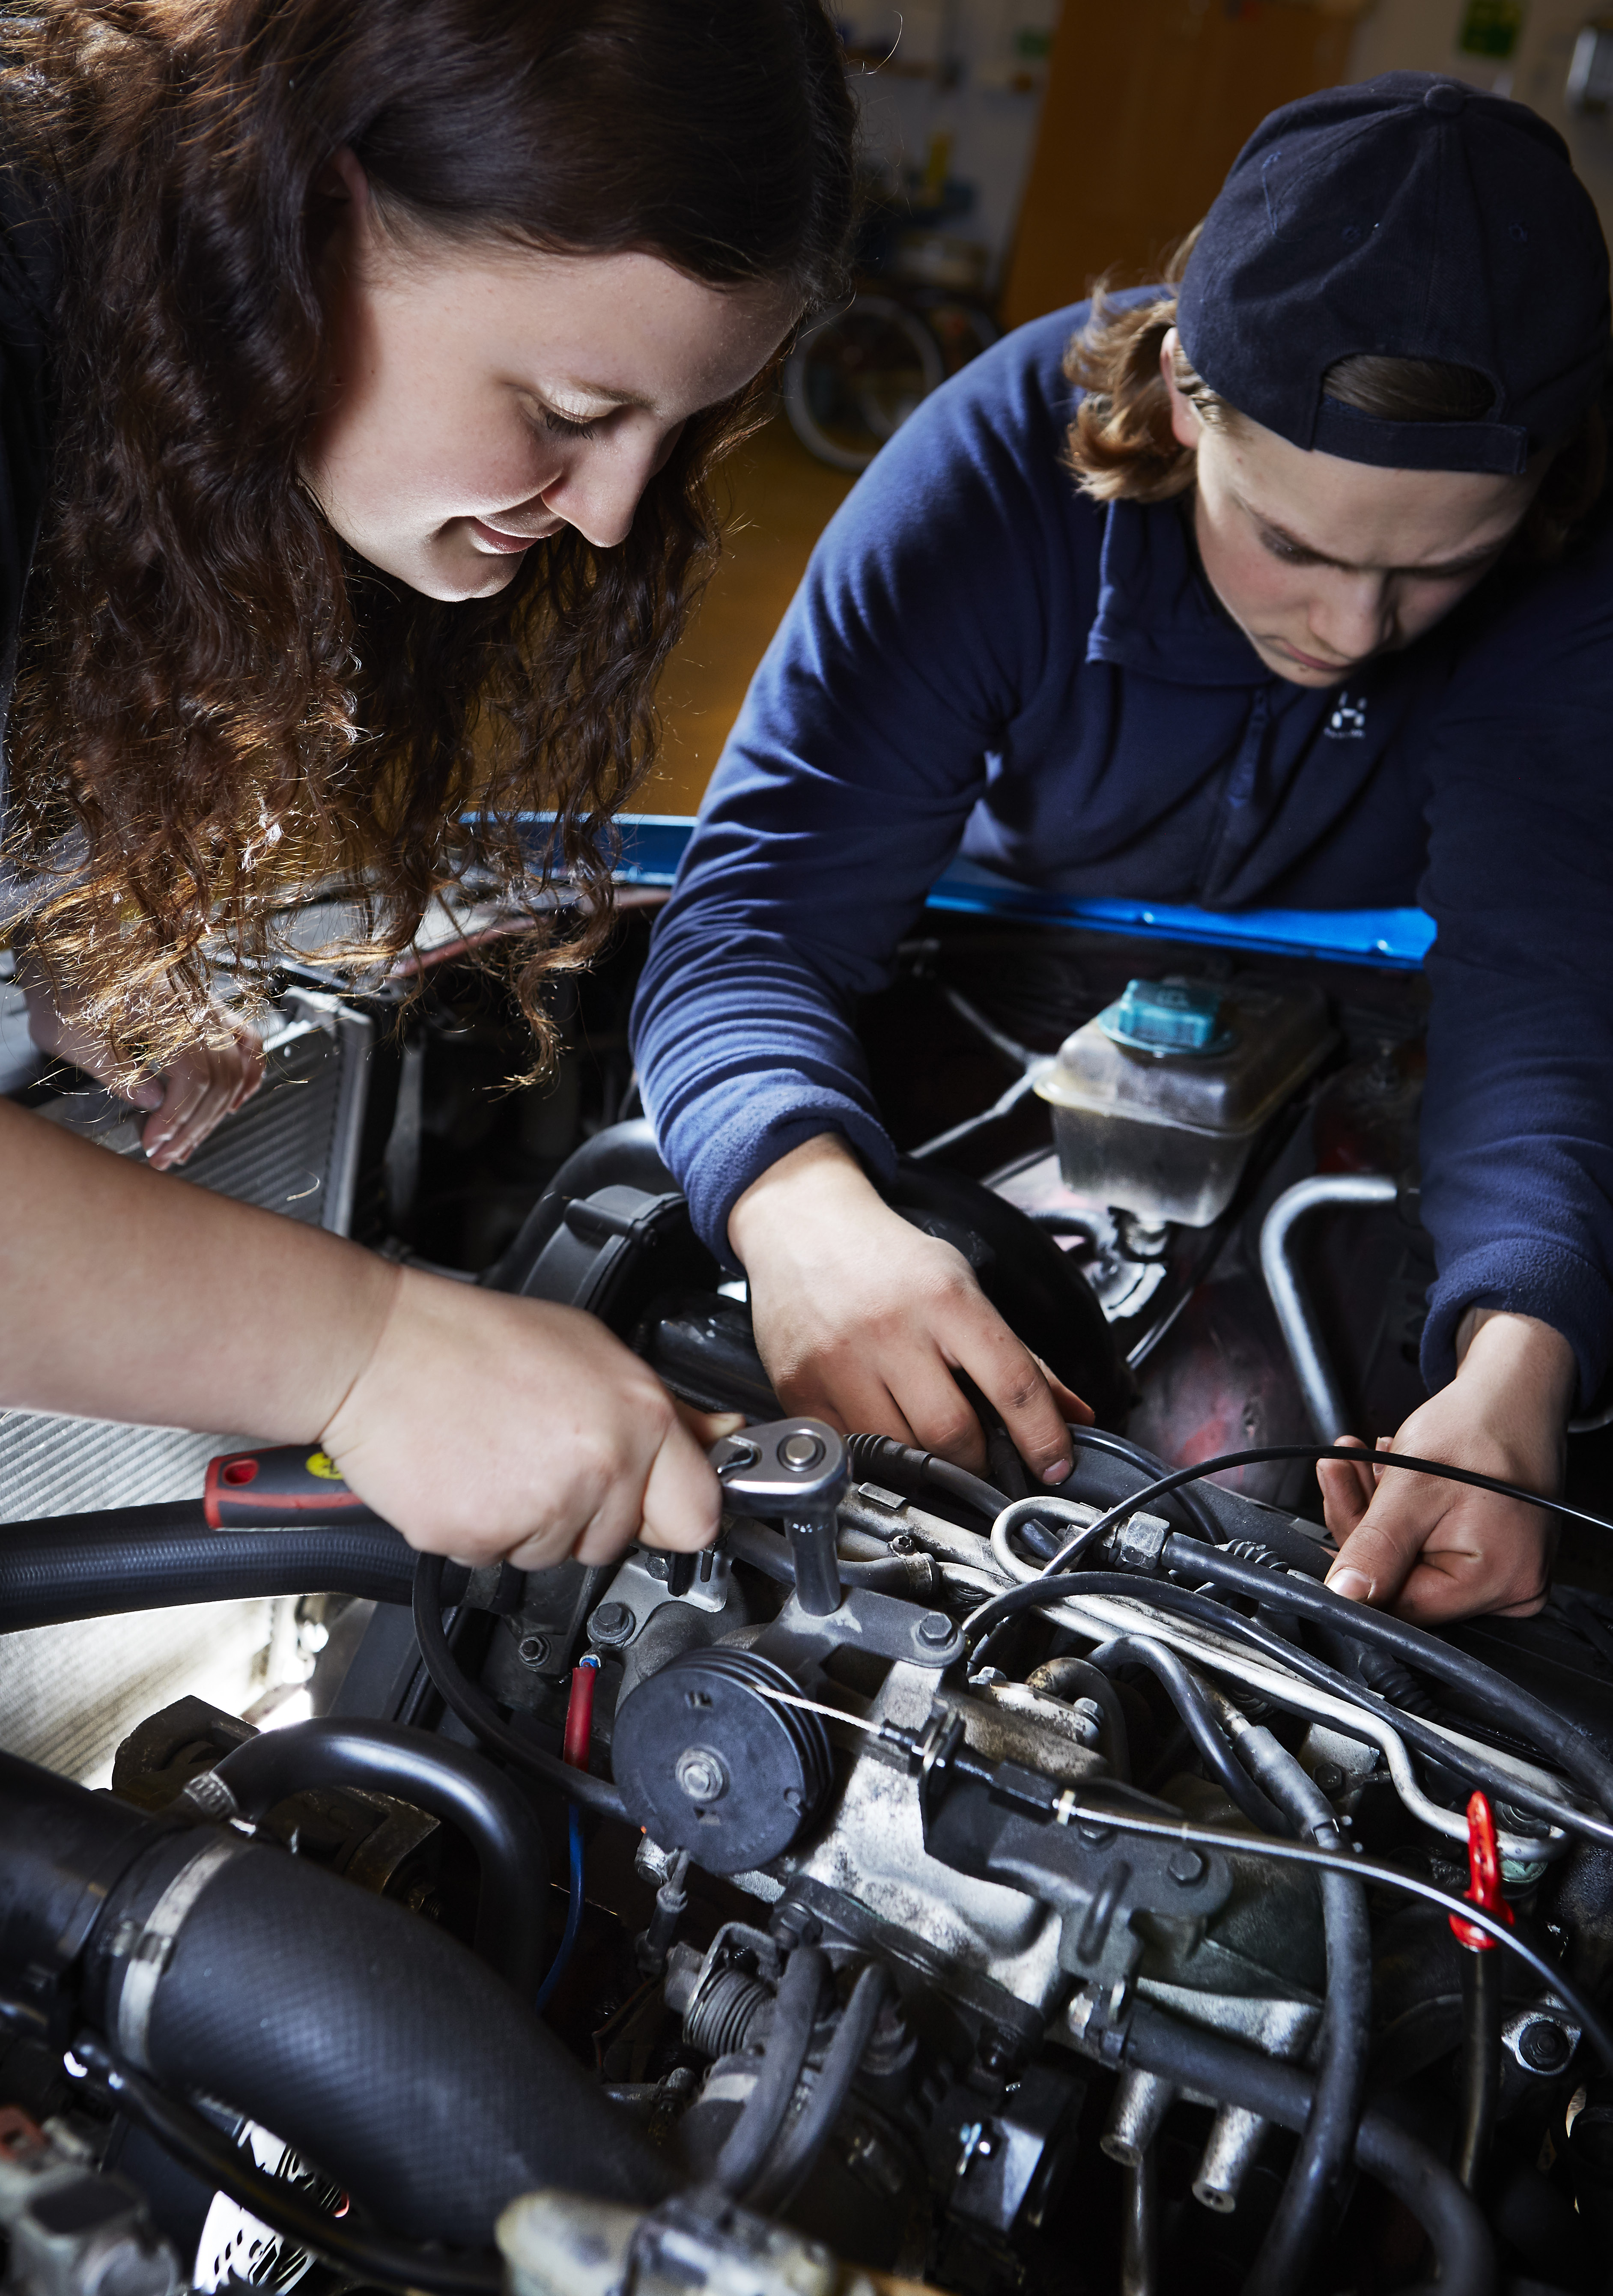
1158	1102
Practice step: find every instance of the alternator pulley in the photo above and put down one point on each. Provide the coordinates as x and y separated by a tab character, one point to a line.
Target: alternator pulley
708	1762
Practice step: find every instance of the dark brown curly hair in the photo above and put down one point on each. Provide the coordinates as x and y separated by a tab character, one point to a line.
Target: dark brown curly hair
217	704
1121	447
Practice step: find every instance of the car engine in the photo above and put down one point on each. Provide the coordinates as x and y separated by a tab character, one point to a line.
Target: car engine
938	1880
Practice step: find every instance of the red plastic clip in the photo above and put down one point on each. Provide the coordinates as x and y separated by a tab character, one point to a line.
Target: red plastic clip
1483	1868
579	1714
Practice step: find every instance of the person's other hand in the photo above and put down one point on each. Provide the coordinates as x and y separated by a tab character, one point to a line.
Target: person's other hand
862	1320
1433	1551
485	1427
185	1101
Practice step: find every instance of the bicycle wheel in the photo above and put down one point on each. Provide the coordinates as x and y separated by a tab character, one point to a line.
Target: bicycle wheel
853	379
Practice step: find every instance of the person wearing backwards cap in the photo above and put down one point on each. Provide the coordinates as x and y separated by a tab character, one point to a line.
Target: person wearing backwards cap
1285	582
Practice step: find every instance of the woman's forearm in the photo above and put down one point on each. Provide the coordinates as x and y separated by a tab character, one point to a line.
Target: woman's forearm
126	1295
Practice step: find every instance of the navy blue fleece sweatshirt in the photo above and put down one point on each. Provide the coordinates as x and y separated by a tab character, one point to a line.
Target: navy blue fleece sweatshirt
981	660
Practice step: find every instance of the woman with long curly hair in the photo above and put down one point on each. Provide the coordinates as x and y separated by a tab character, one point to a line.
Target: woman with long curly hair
365	363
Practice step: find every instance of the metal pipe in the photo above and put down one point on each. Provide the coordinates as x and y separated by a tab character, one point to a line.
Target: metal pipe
1230	2150
1322	1397
1140	2104
817	1567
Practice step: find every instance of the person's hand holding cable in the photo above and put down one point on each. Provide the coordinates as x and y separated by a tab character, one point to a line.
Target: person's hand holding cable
1436	1551
863	1320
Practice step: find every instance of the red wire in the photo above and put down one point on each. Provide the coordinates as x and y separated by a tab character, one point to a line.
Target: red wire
579	1714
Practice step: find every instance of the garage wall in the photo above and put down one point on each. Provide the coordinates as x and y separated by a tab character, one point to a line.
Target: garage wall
1426	35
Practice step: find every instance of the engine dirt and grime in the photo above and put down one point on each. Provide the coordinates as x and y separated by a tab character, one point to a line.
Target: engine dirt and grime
936	1879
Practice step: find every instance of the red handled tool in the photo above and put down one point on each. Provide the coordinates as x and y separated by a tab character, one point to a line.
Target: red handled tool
1483	1869
253	1490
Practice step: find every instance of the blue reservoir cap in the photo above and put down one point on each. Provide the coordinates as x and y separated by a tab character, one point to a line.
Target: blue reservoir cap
1167	1016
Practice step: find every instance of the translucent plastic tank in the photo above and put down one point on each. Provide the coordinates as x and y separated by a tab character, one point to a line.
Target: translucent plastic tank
1158	1102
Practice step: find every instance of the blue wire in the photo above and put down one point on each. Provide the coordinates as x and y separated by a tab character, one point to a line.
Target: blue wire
574	1914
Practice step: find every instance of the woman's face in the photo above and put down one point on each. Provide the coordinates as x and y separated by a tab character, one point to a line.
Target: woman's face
479	396
1323	563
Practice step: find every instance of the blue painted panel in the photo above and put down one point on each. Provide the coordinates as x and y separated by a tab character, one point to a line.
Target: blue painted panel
653	843
1400	938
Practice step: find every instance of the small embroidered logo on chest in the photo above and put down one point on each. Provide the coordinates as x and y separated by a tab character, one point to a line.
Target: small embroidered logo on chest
1348	722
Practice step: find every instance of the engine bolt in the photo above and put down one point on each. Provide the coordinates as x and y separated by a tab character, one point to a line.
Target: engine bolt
1329	1776
1186	1867
1543	2047
612	1625
801	1451
700	1773
532	1650
934	1629
904	1542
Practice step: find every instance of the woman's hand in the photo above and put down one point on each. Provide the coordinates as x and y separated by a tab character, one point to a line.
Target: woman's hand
862	1320
187	1100
485	1427
482	1426
1434	1551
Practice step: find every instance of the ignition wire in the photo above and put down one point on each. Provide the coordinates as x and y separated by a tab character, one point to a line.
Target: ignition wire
1463	1761
1072	1809
478	1712
1411	1643
579	1738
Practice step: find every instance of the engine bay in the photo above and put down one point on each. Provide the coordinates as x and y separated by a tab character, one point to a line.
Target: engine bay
934	1882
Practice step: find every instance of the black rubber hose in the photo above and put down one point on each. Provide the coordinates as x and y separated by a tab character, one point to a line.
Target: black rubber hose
1096	1439
479	1713
370	2040
870	1455
1480	2064
150	1558
795	2012
1329	2142
430	1774
1099	1809
1158	2043
792	2160
63	1850
357	2254
1209	1740
1501	1785
1474	1687
1070	1678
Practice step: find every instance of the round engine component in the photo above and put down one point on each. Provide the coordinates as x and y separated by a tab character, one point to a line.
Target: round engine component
708	1763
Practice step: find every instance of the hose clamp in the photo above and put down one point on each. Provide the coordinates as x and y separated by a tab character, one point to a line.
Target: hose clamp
148	1947
209	1795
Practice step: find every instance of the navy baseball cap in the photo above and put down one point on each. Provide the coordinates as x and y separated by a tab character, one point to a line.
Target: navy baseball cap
1413	216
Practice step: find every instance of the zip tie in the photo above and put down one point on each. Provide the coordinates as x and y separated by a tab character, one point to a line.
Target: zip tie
1483	1886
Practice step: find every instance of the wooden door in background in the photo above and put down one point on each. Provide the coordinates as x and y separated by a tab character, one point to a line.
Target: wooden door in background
1147	107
